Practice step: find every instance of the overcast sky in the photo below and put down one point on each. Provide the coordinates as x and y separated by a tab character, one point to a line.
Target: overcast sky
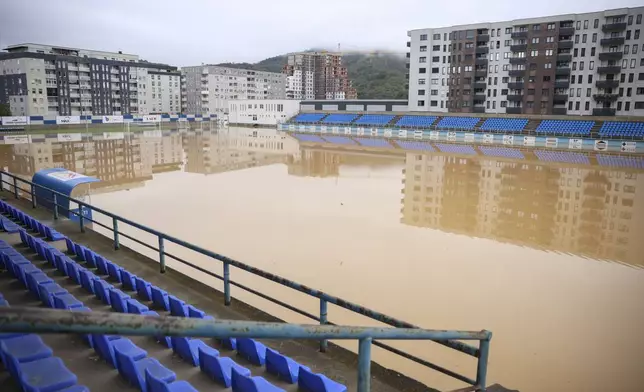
191	32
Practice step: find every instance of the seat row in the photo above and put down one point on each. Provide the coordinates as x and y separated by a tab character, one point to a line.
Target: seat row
194	351
25	356
33	224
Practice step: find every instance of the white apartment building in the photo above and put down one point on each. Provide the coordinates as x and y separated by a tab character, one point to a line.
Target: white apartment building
207	89
578	64
266	112
43	80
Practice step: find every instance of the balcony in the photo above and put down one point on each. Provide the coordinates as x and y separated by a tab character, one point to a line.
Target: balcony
483	38
515	97
479	85
515	85
565	44
478	109
480	73
559	110
612	27
560	97
517	60
564	57
519	34
516	72
408	44
50	66
479	96
613	41
607	83
603	112
562	70
605	97
562	83
514	110
84	78
614	69
519	47
566	30
83	68
481	61
607	56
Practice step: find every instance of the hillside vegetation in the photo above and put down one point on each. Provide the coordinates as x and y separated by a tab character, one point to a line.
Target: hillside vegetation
374	75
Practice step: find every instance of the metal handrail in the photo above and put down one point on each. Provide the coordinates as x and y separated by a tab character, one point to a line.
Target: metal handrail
480	352
37	320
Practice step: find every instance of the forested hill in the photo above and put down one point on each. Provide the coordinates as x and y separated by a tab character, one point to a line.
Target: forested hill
374	75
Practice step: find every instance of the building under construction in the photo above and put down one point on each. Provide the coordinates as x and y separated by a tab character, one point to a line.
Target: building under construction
317	75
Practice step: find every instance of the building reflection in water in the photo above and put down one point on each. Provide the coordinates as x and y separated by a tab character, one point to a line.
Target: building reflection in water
236	148
586	210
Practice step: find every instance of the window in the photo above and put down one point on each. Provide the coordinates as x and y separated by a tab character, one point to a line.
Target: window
626	47
638	20
580	79
627	106
421	92
587	105
545	92
624	64
640	76
591	65
588	92
639	105
581	65
549	52
435	81
421	81
492	32
550	39
423	37
578	25
630	20
507	42
584	38
535	40
633	62
437	37
434	92
596	23
583	52
636	35
639	91
579	92
585	25
536	27
576	38
551	26
422	70
594	37
547	65
572	93
422	59
423	48
635	49
421	103
570	105
435	70
574	65
534	53
508	30
506	67
546	78
436	59
575	52
628	34
436	47
592	51
577	105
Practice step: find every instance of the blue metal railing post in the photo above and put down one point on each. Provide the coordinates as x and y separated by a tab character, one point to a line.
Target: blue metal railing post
115	229
15	187
55	206
161	256
227	284
323	320
364	365
481	367
80	218
33	196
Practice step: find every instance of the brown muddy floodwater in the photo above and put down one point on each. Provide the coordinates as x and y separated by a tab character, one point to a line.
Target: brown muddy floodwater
548	256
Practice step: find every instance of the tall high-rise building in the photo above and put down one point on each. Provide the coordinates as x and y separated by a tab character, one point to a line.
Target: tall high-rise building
208	88
579	64
317	75
41	80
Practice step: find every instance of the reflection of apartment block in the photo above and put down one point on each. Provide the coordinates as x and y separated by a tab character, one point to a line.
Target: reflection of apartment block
118	160
313	163
207	89
29	158
580	210
237	149
161	153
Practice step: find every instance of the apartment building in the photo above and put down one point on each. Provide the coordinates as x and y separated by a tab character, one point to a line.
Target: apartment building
317	75
207	89
577	64
41	80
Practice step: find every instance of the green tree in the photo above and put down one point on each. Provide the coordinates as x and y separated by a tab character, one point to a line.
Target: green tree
4	109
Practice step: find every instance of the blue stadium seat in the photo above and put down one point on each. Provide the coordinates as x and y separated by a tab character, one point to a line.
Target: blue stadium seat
143	289
36	279
113	271
66	301
26	348
189	349
565	127
8	226
135	307
159	384
308	117
101	290
47	291
128	280
105	346
177	307
118	300
282	366
229	343
339	118
252	350
87	279
159	298
624	129
416	121
458	122
243	383
374	119
45	375
504	124
133	369
313	382
220	368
